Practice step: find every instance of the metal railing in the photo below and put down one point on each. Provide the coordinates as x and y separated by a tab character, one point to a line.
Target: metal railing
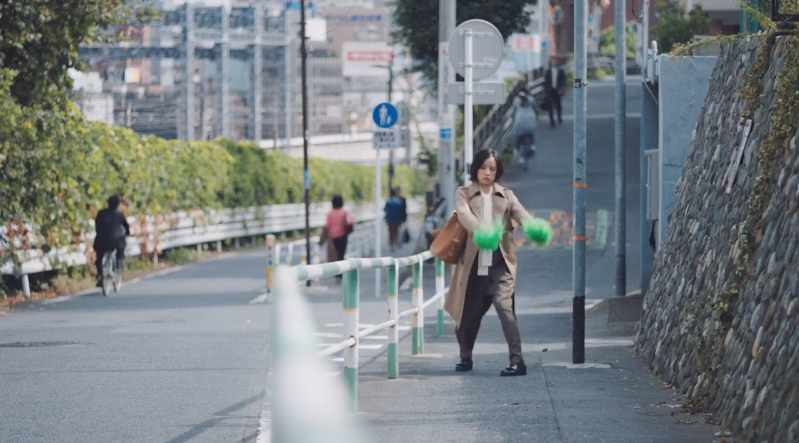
350	269
181	229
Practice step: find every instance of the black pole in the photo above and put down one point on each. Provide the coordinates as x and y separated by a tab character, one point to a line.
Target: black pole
390	153
306	176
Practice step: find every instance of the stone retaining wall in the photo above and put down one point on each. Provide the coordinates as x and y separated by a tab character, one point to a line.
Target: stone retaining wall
721	318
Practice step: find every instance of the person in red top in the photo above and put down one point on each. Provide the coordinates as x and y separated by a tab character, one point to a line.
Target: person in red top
338	226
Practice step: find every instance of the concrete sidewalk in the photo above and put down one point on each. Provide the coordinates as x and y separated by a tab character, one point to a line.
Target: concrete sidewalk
617	401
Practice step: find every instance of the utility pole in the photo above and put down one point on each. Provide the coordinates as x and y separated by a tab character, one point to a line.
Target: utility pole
390	152
306	174
580	92
621	155
446	112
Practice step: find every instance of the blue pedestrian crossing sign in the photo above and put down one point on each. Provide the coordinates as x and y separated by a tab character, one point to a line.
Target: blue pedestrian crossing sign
385	115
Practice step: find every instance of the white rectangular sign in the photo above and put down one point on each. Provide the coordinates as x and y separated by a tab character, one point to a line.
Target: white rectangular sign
386	139
366	59
485	93
527	43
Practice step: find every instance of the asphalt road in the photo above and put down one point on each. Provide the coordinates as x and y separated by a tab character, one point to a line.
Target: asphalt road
183	357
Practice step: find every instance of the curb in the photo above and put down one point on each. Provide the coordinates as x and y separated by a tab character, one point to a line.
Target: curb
67	297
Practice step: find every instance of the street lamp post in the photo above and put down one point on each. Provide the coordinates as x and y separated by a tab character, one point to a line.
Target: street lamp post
306	175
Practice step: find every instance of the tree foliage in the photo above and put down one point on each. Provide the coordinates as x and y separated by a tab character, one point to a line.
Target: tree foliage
57	169
39	39
416	24
607	42
674	27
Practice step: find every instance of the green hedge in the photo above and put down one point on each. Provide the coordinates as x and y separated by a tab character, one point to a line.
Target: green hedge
56	170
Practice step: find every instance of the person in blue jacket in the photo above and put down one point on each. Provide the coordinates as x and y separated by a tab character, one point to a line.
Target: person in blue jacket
393	216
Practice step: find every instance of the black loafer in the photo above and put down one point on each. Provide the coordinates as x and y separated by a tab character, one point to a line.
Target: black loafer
464	366
514	370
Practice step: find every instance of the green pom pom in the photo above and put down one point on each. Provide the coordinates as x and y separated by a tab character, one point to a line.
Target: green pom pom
538	231
488	238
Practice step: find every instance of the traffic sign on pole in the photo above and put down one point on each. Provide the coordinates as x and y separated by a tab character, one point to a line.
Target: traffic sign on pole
488	48
476	49
386	139
385	115
488	93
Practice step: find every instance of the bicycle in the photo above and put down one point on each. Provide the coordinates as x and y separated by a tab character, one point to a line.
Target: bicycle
111	275
526	151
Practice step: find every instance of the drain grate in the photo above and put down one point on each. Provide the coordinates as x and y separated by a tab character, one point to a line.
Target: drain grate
39	344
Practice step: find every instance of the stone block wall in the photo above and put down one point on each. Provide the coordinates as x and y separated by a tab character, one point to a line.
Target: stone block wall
720	321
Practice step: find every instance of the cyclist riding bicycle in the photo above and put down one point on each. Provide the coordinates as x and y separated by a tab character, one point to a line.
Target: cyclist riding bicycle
525	118
111	228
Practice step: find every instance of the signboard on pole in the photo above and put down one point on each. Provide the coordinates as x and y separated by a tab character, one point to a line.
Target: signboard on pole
486	93
386	139
385	115
366	59
488	48
527	43
476	49
404	112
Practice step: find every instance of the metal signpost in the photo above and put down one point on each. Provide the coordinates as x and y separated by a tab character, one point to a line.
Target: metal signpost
476	49
385	116
306	174
446	113
578	256
621	155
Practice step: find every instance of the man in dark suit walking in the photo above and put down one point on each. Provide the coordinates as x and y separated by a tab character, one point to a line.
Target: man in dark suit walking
554	87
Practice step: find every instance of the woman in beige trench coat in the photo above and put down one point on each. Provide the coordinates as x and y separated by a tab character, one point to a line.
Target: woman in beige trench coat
483	278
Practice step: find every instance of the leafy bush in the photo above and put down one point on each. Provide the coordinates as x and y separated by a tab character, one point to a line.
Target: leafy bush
56	170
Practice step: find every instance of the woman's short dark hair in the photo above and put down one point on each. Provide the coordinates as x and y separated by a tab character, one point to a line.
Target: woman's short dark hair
338	201
113	202
479	158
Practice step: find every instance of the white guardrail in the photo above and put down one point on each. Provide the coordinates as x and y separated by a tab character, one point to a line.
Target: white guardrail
181	229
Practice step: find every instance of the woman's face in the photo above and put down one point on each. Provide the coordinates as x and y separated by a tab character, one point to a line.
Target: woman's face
488	172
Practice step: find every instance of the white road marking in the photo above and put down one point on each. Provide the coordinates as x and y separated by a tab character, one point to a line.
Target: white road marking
376	337
260	299
334	325
406	284
328	334
568	365
370	346
333	374
338	359
404	328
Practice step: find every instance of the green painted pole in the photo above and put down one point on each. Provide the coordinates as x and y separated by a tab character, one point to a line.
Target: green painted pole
393	312
440	285
351	296
418	317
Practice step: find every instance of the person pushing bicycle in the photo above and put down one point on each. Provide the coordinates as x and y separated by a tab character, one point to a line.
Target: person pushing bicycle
111	228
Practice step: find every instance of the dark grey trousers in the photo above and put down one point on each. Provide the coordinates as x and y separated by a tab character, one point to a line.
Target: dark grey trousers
482	291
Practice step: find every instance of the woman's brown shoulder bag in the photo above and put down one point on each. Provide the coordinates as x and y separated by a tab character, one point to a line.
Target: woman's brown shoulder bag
449	240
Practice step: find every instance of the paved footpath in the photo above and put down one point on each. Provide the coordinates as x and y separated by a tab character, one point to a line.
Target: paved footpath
617	401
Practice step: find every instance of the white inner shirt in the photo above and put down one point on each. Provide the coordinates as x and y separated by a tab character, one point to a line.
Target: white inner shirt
554	77
485	257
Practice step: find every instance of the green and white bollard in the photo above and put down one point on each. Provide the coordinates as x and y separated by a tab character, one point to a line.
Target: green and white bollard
351	295
418	317
440	285
393	313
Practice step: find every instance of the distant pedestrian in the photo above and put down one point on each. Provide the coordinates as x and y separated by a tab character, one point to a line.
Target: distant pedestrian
554	88
393	216
339	224
403	215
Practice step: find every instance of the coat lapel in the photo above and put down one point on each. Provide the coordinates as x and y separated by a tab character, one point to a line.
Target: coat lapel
476	201
500	203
